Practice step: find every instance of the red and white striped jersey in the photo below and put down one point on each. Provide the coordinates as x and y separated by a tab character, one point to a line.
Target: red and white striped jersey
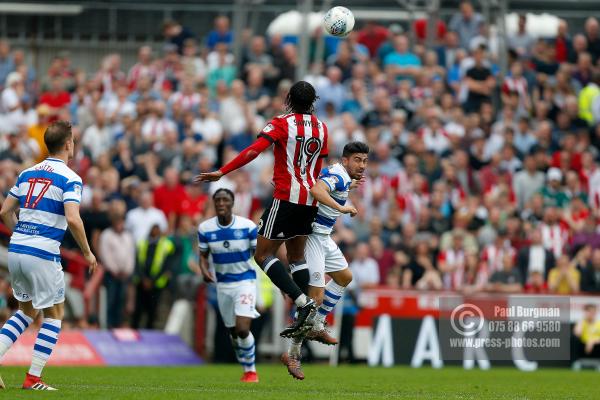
300	145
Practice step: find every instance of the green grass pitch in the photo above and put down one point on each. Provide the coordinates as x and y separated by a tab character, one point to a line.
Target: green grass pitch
322	382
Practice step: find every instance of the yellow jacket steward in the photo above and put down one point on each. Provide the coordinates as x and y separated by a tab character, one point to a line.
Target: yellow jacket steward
155	269
586	99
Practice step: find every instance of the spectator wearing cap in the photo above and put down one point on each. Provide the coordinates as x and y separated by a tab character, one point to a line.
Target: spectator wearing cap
176	34
467	23
553	193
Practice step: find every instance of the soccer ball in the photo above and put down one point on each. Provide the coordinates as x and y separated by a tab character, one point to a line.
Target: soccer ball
338	21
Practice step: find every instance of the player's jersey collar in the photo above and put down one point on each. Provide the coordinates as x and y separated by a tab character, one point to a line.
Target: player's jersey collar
228	226
54	159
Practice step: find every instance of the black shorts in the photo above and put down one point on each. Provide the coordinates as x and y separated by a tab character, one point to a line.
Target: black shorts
284	220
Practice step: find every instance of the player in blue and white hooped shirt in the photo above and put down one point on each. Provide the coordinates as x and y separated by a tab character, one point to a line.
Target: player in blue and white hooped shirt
230	241
47	196
323	256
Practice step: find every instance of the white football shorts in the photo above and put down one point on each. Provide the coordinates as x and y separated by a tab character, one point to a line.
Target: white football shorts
322	256
237	299
37	280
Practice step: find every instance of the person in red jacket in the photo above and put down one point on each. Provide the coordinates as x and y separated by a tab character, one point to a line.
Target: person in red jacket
56	98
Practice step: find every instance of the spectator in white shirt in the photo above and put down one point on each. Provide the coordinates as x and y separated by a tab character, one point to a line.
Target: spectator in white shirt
211	130
234	110
364	268
155	126
140	220
98	138
117	252
11	105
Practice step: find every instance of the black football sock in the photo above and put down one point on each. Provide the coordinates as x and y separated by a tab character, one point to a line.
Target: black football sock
278	274
301	275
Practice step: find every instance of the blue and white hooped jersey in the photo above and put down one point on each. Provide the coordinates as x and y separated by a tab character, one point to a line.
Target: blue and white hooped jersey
231	248
338	180
42	191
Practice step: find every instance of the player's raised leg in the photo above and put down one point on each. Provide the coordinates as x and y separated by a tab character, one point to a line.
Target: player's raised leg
301	276
333	292
277	272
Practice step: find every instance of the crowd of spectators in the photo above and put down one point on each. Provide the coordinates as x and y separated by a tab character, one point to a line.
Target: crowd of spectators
476	181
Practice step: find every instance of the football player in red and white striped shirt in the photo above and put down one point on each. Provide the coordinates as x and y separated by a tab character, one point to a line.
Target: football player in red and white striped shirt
300	144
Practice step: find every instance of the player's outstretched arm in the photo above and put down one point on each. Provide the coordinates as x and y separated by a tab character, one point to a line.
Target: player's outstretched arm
7	213
320	191
76	227
247	155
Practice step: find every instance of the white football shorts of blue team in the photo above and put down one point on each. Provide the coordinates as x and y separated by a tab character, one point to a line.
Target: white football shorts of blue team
237	299
37	280
322	255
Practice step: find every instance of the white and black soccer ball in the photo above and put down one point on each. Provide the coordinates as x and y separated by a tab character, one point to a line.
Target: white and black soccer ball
338	21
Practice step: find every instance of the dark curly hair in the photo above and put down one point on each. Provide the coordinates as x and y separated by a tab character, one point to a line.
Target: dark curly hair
301	98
